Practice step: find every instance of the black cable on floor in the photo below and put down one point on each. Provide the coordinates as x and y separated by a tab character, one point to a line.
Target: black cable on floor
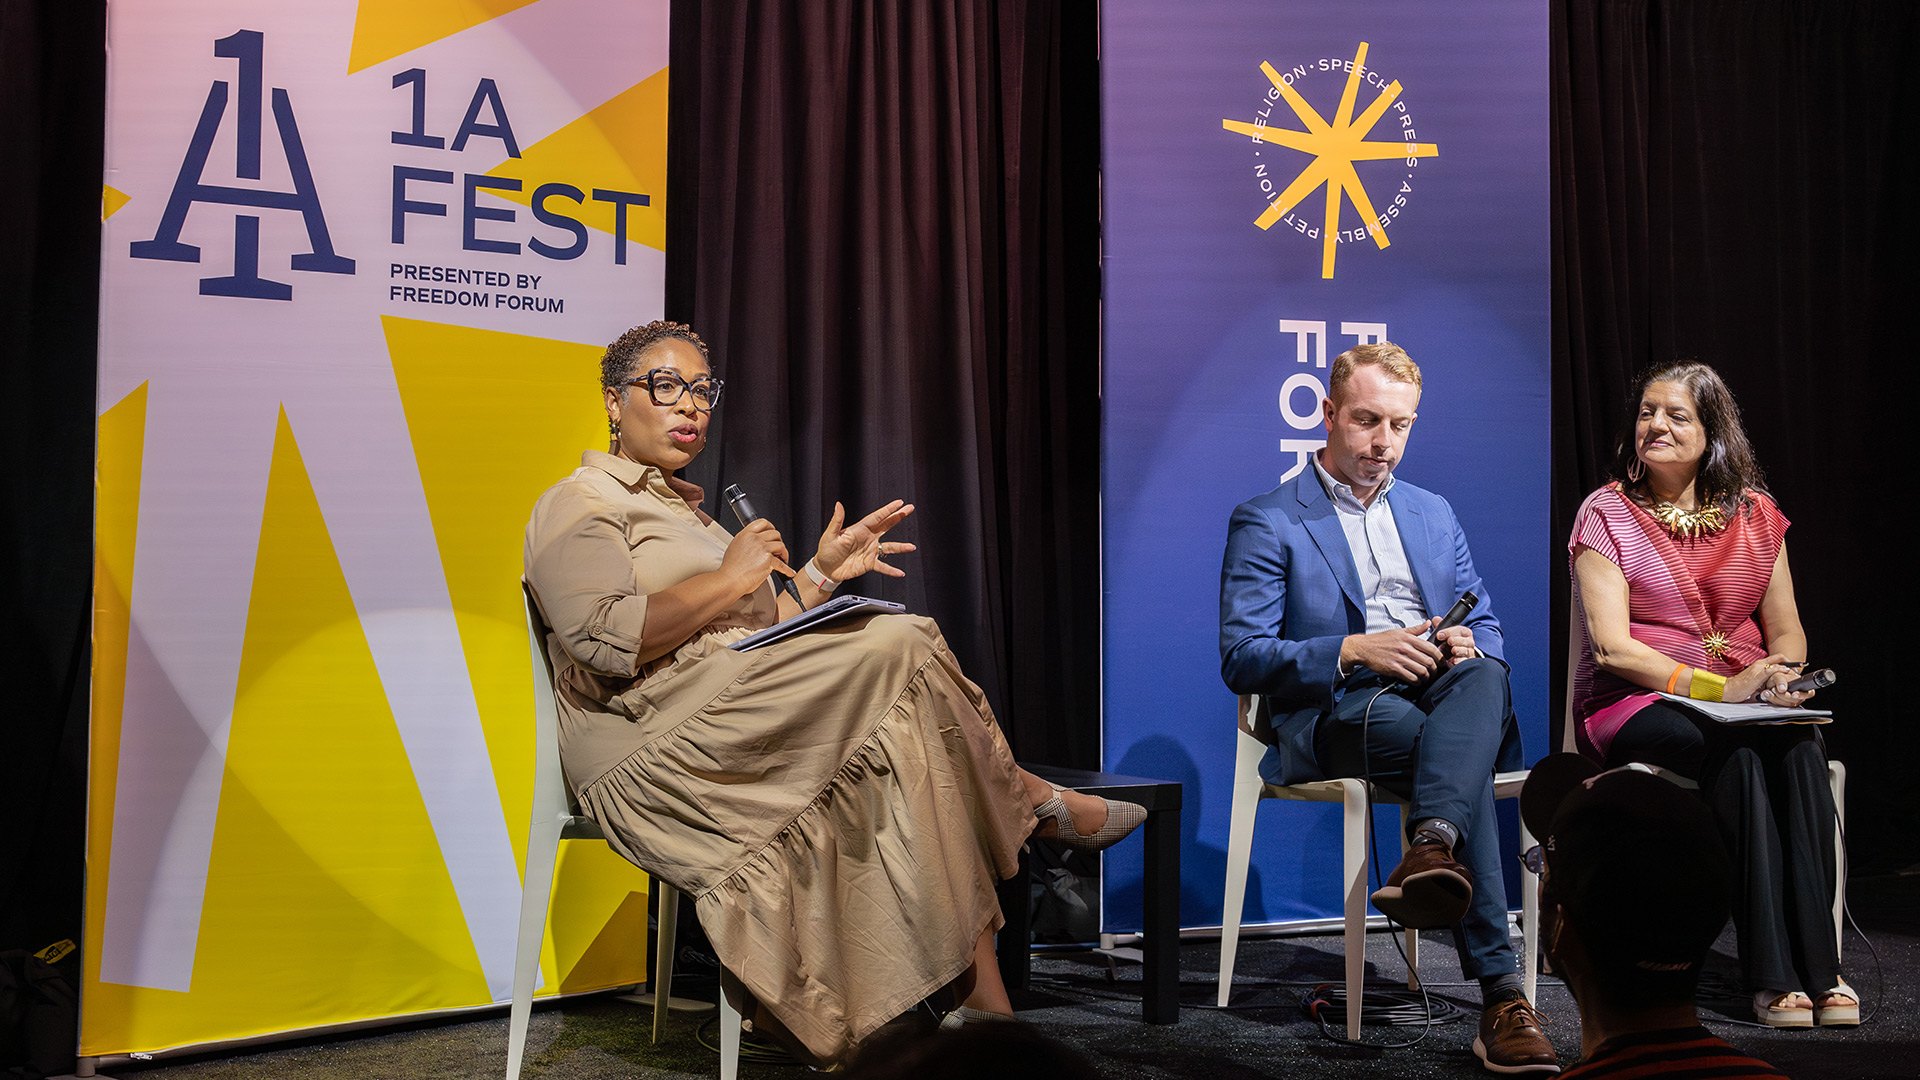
1402	1008
1314	1003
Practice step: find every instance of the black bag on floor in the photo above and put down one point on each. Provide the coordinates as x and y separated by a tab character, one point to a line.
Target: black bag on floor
39	1011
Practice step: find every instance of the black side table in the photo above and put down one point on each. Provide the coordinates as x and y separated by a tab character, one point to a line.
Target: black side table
1160	949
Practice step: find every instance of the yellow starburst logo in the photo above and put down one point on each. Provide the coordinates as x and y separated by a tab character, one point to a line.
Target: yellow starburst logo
1334	147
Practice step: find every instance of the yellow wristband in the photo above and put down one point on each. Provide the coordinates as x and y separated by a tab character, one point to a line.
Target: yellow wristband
1707	686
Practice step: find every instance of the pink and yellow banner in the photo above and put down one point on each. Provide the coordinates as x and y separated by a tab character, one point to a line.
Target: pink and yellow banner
359	262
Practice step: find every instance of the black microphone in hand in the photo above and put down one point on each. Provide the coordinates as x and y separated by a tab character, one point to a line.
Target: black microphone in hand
1815	680
744	512
1456	615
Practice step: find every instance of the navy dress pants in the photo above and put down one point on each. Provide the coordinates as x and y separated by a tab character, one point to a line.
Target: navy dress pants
1434	746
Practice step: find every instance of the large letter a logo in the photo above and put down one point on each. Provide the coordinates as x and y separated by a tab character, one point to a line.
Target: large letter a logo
244	46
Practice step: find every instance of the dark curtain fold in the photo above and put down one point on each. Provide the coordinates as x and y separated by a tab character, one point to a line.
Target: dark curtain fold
52	94
885	222
1734	181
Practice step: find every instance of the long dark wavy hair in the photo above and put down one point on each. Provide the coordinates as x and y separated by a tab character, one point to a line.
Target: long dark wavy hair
1728	469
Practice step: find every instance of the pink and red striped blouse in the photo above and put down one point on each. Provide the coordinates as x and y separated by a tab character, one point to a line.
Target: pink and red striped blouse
1680	590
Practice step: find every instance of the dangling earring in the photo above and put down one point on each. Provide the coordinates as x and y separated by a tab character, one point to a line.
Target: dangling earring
613	429
1636	470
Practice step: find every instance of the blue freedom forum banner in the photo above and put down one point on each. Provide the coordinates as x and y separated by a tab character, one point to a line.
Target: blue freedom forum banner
1281	183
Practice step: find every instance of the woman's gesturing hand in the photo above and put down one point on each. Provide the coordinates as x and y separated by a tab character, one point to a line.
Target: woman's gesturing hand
847	551
755	554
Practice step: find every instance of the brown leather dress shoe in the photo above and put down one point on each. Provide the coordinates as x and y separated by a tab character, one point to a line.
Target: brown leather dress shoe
1511	1040
1428	890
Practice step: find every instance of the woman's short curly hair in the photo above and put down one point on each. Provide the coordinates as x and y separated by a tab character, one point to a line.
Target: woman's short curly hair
622	357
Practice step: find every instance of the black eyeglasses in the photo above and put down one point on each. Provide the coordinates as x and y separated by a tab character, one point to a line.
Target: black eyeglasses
1535	860
665	387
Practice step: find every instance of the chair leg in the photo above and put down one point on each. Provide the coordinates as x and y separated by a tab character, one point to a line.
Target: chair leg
1529	919
1354	934
1837	779
1413	936
1246	804
663	948
729	1026
543	849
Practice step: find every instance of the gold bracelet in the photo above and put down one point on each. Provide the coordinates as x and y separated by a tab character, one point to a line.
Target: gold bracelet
1707	686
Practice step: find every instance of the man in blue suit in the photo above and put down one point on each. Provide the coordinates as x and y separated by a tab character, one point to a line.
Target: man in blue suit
1330	585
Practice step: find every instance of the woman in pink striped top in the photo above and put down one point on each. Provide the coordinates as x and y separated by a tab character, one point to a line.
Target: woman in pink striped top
1680	573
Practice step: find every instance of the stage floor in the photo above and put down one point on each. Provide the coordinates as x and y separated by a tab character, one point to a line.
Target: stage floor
1264	1033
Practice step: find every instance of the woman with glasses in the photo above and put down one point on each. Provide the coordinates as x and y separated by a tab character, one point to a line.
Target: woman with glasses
1680	570
840	803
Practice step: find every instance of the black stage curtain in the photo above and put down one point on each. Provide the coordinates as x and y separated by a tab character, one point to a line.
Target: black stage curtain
1734	181
884	220
52	93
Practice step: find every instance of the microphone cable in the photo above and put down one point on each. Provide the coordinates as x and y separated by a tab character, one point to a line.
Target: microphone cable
1716	987
1846	913
1846	909
1401	1010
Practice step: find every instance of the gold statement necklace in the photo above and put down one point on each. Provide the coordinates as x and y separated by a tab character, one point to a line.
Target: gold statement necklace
1687	524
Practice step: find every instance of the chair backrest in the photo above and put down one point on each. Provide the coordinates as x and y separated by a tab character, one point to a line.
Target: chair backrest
1256	717
1569	736
1569	742
550	795
1250	748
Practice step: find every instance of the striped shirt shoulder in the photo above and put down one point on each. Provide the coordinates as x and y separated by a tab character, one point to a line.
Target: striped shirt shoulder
1684	1053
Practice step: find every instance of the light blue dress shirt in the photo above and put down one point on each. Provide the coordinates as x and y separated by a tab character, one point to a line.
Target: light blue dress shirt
1393	599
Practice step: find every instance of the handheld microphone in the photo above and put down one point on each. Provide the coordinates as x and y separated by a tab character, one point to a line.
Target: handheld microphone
744	512
1813	680
1456	615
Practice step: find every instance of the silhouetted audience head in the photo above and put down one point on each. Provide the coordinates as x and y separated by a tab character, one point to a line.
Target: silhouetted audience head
1636	878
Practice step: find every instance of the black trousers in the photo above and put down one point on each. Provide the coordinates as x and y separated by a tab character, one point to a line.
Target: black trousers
1769	793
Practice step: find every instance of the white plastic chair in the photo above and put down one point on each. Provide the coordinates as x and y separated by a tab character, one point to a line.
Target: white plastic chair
1248	792
1836	781
554	820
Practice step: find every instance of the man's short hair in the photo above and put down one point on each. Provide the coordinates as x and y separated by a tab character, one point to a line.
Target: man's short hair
1386	355
1639	868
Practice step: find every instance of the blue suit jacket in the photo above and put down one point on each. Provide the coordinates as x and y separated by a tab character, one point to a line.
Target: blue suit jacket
1289	593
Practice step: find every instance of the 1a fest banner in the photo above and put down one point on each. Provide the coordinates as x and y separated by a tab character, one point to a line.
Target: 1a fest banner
359	263
1282	182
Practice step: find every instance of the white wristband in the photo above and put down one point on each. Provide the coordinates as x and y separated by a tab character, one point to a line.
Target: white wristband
820	581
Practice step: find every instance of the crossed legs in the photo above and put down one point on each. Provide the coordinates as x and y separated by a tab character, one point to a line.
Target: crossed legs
1437	750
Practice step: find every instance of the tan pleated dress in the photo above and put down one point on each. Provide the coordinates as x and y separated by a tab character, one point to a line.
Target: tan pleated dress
839	805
